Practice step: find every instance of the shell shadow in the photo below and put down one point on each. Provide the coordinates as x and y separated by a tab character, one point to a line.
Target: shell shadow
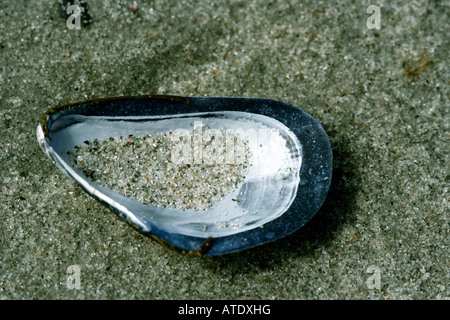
337	210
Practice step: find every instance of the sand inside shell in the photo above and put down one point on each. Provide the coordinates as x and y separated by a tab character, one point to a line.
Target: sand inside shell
143	168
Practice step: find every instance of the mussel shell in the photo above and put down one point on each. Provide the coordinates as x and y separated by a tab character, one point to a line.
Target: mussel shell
312	176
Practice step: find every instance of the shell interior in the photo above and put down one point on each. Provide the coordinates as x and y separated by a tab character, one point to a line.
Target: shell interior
268	190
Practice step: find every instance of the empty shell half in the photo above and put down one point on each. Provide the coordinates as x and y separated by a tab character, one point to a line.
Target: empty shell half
201	175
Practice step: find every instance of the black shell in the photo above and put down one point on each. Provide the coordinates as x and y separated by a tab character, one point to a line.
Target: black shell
285	201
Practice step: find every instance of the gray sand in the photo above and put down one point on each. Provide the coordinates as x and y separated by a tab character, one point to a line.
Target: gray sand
381	95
